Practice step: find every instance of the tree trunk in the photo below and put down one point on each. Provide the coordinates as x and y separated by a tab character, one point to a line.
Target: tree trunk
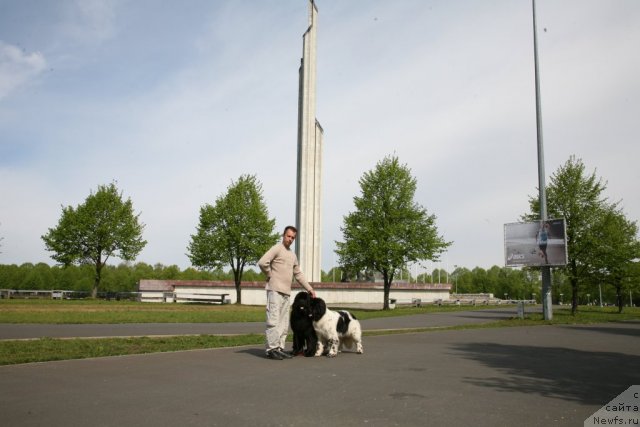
238	294
574	296
96	281
619	298
387	288
574	288
237	277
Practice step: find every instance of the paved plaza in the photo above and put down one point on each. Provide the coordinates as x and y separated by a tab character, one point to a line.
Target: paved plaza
527	376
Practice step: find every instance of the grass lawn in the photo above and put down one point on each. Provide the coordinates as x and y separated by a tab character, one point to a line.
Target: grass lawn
61	312
101	312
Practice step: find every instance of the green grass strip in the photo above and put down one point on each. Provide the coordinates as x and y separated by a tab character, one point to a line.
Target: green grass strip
50	349
118	312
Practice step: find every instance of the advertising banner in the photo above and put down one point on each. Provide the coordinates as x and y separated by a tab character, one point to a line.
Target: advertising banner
535	244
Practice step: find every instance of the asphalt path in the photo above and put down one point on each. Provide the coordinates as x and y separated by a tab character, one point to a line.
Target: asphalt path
528	376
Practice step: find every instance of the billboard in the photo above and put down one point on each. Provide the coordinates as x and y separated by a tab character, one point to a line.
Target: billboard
535	244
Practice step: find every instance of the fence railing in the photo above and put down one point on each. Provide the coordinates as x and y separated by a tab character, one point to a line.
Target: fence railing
65	294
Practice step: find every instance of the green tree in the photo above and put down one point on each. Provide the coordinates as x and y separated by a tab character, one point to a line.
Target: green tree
9	276
236	231
461	281
39	277
24	271
191	273
333	275
615	250
103	226
388	230
251	275
118	278
479	280
576	196
142	270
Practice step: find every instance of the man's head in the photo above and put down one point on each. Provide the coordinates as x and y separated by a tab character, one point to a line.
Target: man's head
289	235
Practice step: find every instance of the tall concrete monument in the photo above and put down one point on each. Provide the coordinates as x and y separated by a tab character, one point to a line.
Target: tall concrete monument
309	181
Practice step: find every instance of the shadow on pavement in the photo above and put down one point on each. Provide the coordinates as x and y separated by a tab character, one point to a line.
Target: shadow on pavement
608	330
258	352
581	376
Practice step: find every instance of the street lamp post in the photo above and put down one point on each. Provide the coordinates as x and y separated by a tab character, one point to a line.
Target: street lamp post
600	289
455	267
546	270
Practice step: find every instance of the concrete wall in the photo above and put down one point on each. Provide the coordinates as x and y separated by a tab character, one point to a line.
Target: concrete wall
253	293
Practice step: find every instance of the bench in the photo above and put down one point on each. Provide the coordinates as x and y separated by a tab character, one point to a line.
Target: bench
406	302
197	297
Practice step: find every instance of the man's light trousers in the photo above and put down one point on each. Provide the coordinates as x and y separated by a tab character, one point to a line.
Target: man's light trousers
277	319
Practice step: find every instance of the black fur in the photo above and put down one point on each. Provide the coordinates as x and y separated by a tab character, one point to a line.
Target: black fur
301	321
335	329
318	308
343	322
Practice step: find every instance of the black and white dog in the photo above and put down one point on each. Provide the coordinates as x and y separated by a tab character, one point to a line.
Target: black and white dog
301	321
335	329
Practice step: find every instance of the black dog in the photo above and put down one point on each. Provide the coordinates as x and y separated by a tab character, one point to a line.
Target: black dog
301	321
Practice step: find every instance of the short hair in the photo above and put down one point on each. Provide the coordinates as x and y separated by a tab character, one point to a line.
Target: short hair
290	227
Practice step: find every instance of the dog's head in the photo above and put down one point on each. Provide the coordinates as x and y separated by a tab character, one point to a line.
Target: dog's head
318	308
301	306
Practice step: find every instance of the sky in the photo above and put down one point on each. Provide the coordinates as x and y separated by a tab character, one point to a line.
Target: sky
175	100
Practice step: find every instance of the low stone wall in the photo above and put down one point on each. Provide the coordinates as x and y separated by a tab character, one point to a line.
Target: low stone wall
253	293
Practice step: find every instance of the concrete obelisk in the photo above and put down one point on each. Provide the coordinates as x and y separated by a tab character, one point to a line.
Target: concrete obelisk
309	180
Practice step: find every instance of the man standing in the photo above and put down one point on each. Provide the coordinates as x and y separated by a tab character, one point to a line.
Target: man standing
280	265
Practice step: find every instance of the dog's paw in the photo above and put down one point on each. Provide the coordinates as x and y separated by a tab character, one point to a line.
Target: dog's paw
359	349
330	354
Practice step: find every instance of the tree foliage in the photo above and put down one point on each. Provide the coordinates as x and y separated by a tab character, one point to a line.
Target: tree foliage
103	226
615	252
591	222
500	281
388	229
235	231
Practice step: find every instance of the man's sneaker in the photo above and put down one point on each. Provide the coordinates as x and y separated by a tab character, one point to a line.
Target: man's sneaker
274	354
284	354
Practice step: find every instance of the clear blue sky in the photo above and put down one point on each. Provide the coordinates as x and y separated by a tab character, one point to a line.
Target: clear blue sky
173	100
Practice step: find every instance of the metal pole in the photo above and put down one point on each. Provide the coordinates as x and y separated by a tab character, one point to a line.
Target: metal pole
546	271
600	289
456	278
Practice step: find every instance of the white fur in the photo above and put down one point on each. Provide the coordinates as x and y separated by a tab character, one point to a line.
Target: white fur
328	336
